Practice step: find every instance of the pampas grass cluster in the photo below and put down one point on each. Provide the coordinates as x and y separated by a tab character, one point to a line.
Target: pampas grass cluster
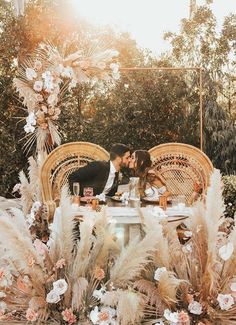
85	277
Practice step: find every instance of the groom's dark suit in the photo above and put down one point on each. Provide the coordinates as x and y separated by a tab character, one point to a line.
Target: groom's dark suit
94	175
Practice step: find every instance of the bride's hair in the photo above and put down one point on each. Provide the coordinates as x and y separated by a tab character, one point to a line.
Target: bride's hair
143	161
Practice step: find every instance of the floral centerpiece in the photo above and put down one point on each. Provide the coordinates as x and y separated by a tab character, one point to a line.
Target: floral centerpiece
44	79
83	276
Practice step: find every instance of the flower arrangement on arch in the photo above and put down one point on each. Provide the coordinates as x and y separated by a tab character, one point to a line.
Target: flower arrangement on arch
44	79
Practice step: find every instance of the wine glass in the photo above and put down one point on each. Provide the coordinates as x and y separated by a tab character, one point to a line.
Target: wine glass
76	188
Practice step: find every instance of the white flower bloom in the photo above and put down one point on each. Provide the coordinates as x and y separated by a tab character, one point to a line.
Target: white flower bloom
159	272
2	294
94	315
126	86
116	76
188	234
226	251
67	72
225	301
72	84
195	307
29	128
98	294
114	67
60	286
52	99
172	317
30	74
3	306
233	286
159	323
48	81
53	297
103	317
31	119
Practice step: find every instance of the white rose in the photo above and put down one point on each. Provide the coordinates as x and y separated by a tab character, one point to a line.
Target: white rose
195	307
30	74
226	251
60	286
53	297
159	272
225	301
172	317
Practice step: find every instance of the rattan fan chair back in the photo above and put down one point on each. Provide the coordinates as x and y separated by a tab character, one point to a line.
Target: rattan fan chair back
60	163
183	167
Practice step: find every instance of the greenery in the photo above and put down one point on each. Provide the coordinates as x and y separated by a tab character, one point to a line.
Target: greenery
144	108
229	194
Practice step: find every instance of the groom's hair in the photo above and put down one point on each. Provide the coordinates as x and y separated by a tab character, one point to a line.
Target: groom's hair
118	150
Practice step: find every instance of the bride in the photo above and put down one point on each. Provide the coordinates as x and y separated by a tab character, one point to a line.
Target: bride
151	184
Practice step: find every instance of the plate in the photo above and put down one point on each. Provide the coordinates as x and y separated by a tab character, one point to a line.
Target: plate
154	200
116	198
85	199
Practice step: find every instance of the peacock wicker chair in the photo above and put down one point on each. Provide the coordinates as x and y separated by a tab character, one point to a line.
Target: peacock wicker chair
184	168
60	163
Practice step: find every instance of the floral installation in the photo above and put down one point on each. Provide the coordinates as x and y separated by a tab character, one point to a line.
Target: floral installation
194	281
88	278
73	279
46	77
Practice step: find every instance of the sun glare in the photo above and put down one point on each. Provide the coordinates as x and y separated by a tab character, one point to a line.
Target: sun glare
145	20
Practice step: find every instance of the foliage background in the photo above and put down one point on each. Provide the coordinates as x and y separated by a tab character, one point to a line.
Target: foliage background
145	108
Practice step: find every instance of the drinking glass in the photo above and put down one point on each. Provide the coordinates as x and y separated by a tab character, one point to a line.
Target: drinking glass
76	188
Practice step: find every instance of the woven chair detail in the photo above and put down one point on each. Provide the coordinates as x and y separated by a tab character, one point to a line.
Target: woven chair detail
182	166
60	163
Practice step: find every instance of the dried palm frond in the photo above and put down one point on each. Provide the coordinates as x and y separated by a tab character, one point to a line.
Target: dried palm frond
27	93
33	171
84	246
129	307
133	259
149	288
167	288
21	251
26	193
62	234
78	290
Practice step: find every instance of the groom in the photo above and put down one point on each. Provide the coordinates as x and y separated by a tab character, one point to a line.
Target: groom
102	176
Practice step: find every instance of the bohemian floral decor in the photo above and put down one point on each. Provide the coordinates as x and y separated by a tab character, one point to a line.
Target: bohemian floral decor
44	79
83	276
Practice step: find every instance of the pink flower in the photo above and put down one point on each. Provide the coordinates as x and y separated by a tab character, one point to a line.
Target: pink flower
40	247
60	263
183	318
68	316
31	315
99	273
